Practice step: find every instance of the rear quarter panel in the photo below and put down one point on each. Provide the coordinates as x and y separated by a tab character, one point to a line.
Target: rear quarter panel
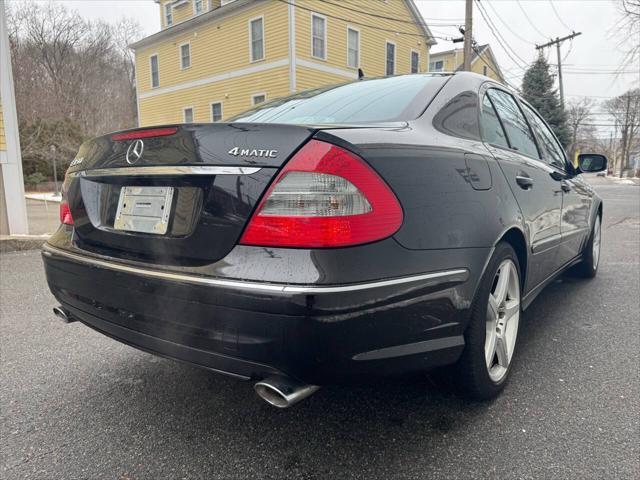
429	174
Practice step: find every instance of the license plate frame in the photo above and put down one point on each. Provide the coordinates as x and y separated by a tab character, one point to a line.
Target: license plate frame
144	209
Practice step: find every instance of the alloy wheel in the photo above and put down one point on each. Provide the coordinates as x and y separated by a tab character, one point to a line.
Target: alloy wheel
503	317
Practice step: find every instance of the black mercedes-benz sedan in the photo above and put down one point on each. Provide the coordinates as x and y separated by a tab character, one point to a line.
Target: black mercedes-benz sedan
378	227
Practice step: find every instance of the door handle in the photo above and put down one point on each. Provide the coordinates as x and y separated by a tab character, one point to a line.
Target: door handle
524	182
565	186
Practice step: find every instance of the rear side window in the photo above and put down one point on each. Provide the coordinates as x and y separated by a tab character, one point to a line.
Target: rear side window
492	131
516	127
366	101
459	117
551	151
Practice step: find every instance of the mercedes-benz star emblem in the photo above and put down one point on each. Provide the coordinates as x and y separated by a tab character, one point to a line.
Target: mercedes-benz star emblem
134	152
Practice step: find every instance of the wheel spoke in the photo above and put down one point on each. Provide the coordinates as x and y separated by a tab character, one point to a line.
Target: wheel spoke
500	293
502	351
512	307
494	305
490	345
596	244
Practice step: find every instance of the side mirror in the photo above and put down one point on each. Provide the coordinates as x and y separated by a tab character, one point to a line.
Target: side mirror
591	162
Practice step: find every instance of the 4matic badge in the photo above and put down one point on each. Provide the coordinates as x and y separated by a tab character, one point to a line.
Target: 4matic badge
253	152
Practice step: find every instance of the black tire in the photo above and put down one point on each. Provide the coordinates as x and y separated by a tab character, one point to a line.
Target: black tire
470	374
588	267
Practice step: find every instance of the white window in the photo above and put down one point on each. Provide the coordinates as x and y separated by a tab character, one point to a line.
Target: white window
391	59
185	55
436	66
415	61
168	14
155	71
258	98
256	35
187	114
353	47
216	111
318	36
197	6
224	2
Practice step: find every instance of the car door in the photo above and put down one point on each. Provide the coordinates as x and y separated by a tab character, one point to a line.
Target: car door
577	195
534	184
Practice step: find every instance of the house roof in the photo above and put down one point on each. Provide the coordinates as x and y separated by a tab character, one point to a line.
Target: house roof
229	8
481	51
420	21
178	28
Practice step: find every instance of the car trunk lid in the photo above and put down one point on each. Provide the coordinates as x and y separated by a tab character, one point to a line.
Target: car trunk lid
182	197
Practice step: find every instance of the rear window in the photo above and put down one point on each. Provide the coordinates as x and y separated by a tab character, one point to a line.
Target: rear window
365	101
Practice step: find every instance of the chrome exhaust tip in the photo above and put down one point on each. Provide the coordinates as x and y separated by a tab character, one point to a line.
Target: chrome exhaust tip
283	392
62	314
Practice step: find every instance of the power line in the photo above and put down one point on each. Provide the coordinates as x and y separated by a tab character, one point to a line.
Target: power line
557	42
529	20
348	20
600	96
499	37
475	49
495	11
558	16
610	124
386	17
599	73
456	20
568	51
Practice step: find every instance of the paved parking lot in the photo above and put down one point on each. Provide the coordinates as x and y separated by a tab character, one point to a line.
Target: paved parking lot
75	404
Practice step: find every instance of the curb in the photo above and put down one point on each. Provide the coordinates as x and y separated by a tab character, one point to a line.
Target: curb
19	243
38	198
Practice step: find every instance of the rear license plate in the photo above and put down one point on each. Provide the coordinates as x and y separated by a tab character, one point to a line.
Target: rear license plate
144	209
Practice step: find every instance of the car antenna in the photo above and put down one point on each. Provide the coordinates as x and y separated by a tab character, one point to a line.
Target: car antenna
360	74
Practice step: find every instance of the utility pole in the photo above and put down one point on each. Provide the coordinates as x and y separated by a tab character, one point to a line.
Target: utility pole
13	208
557	43
468	34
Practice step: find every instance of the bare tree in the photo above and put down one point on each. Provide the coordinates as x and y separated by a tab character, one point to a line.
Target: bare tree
125	32
578	116
625	110
69	73
70	68
629	23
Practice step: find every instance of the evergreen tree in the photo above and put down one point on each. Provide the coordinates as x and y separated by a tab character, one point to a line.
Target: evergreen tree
537	89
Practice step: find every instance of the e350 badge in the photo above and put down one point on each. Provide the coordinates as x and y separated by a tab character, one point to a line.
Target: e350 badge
252	152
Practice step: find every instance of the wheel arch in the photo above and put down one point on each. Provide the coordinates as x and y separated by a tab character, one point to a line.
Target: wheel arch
516	238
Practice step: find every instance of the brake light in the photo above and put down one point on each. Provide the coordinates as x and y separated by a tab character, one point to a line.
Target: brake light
146	133
324	197
65	214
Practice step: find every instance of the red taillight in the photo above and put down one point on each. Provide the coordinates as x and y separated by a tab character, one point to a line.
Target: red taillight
324	197
146	133
65	214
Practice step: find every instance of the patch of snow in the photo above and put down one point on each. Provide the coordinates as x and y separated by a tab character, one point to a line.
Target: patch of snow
44	196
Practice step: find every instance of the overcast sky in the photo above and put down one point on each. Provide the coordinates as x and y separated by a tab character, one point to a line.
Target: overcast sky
588	61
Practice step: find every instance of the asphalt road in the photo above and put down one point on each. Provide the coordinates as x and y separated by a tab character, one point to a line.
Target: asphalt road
75	404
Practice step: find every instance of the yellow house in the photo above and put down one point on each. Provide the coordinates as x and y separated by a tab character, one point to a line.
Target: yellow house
482	61
216	58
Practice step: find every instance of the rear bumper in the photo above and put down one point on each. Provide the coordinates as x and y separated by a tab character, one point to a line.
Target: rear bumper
316	333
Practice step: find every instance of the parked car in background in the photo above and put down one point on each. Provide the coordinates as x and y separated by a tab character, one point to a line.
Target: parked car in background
377	227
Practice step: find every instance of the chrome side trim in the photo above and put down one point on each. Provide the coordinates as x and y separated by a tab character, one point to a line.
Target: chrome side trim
457	275
165	171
